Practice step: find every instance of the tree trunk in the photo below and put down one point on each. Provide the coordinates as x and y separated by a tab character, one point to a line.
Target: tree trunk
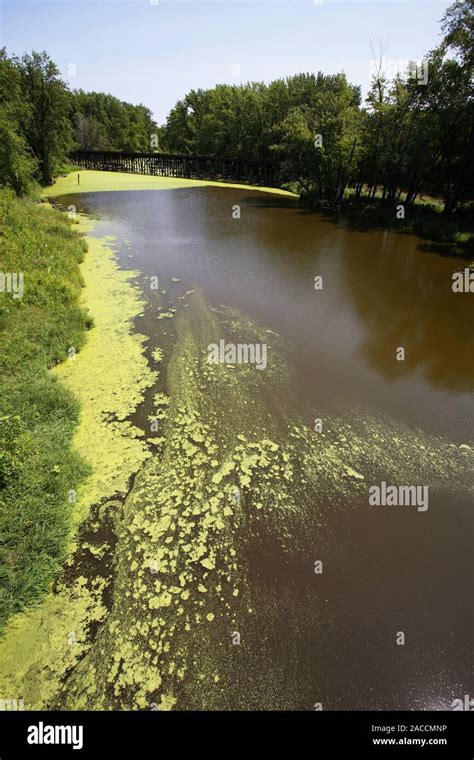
454	195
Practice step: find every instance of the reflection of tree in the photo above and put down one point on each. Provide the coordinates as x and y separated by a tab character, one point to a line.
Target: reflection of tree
404	298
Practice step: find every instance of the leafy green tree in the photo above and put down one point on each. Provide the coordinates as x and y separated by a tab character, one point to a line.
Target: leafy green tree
17	165
418	136
319	138
103	122
458	26
45	118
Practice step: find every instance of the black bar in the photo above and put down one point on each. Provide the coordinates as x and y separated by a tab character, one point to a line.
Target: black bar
317	734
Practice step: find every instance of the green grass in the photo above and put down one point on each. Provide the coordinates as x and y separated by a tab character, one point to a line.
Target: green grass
38	415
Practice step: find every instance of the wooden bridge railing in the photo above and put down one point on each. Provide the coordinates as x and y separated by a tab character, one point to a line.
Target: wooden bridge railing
237	170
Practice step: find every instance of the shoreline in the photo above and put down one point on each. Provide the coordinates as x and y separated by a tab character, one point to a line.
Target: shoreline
108	377
100	181
452	237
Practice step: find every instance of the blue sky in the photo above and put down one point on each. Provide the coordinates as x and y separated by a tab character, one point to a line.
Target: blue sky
154	51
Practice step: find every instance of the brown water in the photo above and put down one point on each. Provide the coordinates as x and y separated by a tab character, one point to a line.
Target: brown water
392	570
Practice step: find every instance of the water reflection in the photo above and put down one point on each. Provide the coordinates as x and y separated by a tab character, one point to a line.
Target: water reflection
380	292
403	296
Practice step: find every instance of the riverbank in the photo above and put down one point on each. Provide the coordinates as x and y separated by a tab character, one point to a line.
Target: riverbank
448	235
102	378
40	320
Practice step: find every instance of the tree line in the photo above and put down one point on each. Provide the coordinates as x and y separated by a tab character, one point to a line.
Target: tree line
42	121
413	136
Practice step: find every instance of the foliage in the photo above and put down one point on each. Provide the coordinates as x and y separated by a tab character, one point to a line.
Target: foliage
17	165
45	102
42	121
38	415
102	122
414	136
401	144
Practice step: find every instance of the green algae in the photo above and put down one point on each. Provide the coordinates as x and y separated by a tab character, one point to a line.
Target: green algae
166	314
109	376
46	642
237	475
160	402
176	554
97	181
157	355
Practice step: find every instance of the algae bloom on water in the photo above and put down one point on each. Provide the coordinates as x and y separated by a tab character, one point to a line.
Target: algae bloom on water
206	558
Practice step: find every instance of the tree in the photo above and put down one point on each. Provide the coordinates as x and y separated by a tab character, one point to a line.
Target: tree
17	165
458	26
45	118
418	136
103	122
319	138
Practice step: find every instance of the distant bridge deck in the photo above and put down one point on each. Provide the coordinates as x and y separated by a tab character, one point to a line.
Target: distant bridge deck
238	170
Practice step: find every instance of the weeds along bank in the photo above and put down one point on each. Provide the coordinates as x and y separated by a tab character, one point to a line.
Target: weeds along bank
40	318
68	362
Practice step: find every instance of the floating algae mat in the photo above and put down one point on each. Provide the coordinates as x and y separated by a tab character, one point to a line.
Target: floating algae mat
239	479
223	552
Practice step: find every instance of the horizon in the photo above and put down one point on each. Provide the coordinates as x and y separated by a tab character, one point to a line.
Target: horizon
349	35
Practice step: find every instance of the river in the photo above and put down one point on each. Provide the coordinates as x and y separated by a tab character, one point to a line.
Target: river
239	264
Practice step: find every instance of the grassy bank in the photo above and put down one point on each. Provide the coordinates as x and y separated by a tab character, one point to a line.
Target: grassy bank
106	379
39	471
